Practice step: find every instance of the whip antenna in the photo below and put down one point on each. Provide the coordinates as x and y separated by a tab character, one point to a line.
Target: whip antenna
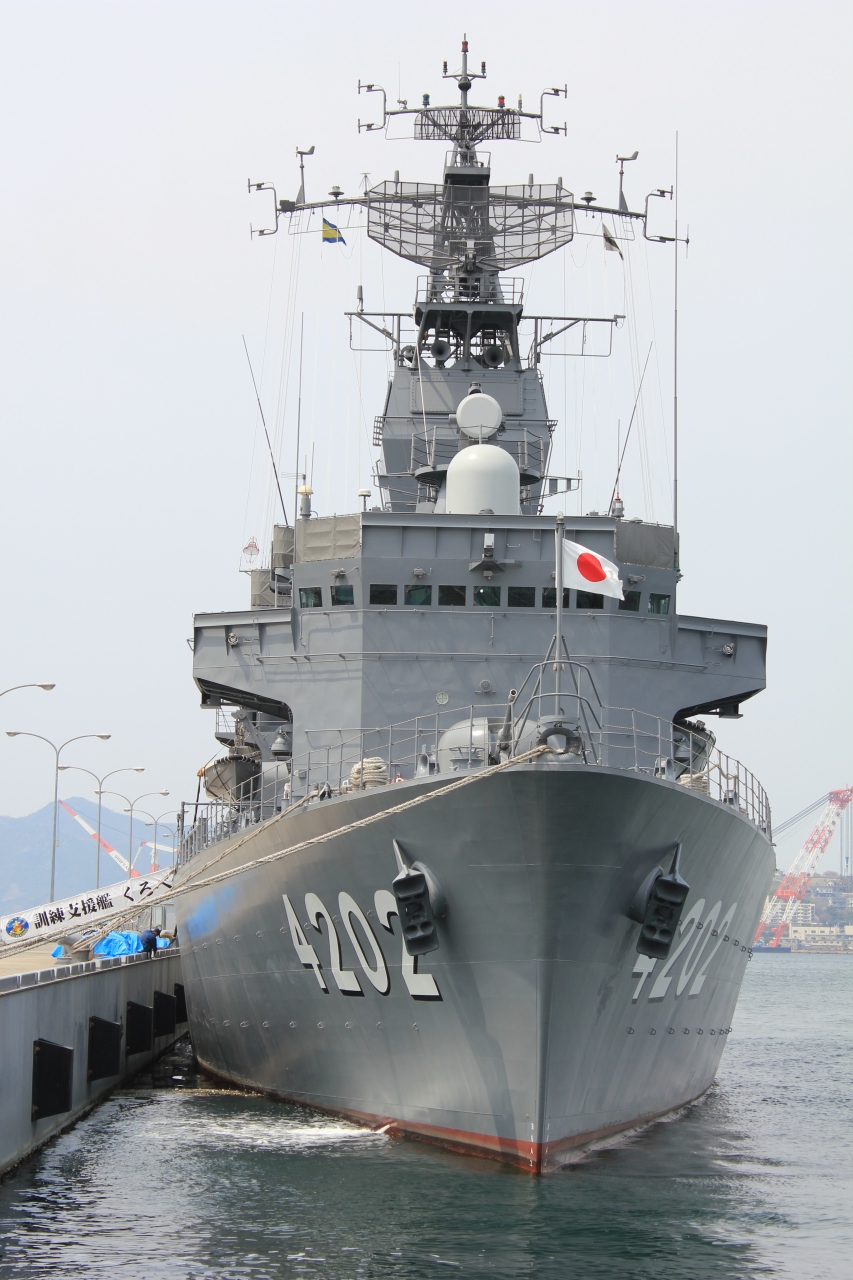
628	432
266	433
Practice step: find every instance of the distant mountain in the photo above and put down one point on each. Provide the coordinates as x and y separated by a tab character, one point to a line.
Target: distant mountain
25	852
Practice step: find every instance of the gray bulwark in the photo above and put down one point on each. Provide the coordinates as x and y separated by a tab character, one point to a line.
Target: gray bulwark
328	539
645	544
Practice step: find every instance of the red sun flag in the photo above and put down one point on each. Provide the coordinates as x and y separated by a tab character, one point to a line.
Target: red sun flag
584	569
590	567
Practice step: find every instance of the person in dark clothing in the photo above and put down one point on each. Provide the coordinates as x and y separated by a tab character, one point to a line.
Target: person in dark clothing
148	938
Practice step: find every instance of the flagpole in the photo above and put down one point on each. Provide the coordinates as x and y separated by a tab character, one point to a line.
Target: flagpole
558	578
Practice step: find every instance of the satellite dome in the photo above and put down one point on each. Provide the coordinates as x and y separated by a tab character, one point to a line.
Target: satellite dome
479	416
483	477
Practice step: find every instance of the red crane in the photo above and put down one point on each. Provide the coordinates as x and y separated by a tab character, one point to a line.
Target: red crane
795	883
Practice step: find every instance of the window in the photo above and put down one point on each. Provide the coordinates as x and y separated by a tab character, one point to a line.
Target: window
383	593
451	595
310	598
418	595
521	597
549	597
658	604
589	600
342	595
631	603
490	597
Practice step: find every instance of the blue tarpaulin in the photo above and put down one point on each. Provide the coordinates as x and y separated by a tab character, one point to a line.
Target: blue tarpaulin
123	944
115	944
118	944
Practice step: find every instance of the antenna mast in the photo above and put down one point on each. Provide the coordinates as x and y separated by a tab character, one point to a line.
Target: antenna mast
298	426
675	379
266	432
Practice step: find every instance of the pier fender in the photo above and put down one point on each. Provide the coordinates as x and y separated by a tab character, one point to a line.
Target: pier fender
656	907
420	900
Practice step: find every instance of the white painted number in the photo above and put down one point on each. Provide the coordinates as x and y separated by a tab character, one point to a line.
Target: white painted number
696	938
698	947
302	946
378	974
664	978
345	978
721	937
420	985
642	969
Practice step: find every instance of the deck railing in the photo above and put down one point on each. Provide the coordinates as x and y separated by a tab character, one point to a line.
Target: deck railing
579	730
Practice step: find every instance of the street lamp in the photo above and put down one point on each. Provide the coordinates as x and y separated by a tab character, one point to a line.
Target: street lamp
155	822
133	768
17	733
46	687
133	804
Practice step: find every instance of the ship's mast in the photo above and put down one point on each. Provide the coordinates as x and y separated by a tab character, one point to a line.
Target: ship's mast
471	238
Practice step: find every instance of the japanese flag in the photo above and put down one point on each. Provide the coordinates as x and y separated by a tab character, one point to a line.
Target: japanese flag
583	568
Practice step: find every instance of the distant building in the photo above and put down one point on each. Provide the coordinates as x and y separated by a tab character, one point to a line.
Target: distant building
820	932
804	912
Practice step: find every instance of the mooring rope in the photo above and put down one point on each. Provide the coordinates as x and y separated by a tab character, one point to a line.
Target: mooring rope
194	882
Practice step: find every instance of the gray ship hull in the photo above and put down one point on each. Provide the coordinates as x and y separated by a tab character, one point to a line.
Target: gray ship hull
535	1028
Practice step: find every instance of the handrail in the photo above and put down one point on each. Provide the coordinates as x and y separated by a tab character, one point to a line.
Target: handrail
620	738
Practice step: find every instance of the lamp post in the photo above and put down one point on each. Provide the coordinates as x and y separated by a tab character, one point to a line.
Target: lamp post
155	822
132	805
17	733
46	687
132	768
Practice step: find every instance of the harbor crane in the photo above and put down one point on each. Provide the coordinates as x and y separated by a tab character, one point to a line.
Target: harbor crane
793	886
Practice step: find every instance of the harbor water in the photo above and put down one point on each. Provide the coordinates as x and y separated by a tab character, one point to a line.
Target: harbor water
173	1177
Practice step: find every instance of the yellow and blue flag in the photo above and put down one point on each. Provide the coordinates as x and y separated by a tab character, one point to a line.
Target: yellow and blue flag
331	234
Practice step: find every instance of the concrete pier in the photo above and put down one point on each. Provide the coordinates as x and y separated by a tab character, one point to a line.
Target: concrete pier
71	1032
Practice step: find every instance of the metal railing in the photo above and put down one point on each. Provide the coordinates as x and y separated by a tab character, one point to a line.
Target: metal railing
579	730
225	725
436	448
438	288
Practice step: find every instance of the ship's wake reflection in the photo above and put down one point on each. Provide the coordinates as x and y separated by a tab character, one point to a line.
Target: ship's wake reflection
285	1132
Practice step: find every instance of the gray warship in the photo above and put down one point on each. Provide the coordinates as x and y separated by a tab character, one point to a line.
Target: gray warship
471	867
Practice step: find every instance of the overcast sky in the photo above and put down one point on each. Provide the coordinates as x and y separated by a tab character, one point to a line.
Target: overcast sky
133	471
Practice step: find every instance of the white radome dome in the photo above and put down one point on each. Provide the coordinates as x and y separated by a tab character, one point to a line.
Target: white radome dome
481	478
479	416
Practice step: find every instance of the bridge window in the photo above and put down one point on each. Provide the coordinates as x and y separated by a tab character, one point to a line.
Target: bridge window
449	596
549	597
658	604
631	603
342	594
418	595
590	600
310	598
383	593
521	597
489	596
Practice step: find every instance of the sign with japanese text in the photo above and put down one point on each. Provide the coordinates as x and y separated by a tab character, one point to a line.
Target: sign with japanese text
81	911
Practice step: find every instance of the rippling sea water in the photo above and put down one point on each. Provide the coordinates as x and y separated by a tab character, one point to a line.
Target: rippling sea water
175	1178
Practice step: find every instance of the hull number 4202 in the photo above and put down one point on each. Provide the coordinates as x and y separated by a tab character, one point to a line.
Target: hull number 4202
699	944
371	959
